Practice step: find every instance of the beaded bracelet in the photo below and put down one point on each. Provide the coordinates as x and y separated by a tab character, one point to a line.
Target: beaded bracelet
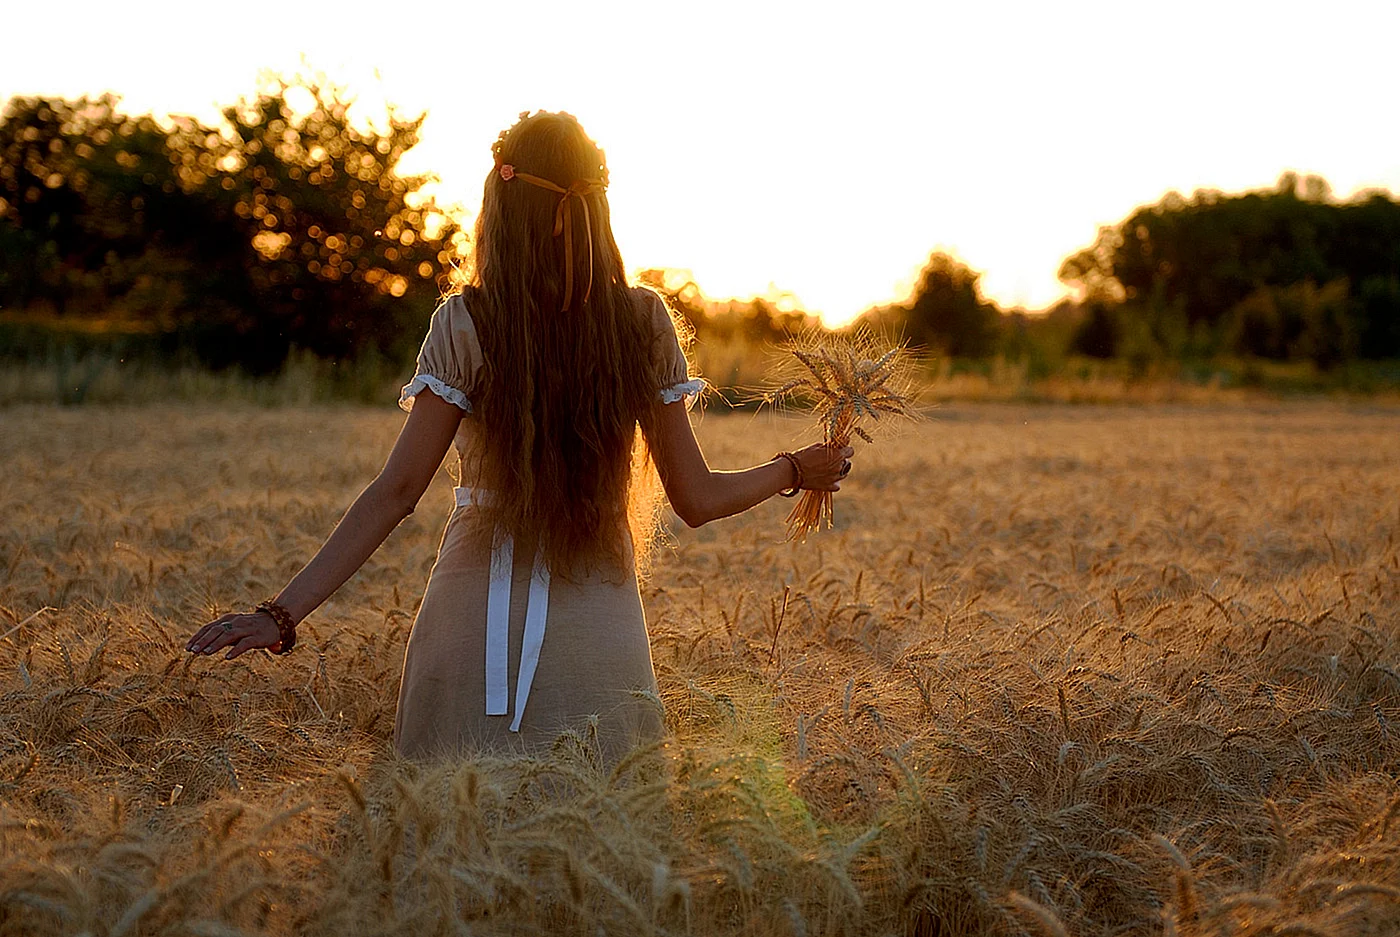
797	471
286	628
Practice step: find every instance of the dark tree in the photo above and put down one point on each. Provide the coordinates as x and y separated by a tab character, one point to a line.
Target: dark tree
328	241
79	186
285	227
946	312
1233	267
1099	334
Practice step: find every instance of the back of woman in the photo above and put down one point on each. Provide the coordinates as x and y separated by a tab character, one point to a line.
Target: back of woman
541	372
559	362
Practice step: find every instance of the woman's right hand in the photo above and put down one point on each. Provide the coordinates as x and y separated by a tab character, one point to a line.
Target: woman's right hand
823	467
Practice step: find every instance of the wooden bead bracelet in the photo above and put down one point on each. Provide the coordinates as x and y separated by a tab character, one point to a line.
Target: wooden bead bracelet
286	628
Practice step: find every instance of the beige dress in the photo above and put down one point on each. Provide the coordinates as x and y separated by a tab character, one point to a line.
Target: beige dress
502	657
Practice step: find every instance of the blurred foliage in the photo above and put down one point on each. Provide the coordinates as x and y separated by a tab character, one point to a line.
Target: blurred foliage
286	227
1283	274
755	321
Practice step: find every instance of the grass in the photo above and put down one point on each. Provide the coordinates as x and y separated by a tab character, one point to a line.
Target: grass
740	372
1093	671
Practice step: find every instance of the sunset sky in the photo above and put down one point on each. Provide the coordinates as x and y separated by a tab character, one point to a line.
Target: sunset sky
798	148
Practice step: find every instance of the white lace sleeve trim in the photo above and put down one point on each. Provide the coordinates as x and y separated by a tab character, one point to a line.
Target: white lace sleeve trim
422	382
677	392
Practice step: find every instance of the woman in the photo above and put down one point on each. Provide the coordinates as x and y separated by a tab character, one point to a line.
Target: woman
540	371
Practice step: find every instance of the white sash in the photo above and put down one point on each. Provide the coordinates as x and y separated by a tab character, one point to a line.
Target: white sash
498	622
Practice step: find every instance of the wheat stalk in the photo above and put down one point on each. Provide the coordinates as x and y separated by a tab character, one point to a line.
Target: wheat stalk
849	380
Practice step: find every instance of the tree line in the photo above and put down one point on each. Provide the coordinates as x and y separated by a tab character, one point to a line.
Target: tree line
1288	273
289	226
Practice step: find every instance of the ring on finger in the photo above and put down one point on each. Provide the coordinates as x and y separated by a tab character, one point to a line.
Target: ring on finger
845	468
227	626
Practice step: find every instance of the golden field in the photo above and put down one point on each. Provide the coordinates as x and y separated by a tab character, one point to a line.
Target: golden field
1058	670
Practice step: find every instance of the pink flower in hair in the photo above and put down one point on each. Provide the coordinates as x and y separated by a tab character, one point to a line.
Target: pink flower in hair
507	171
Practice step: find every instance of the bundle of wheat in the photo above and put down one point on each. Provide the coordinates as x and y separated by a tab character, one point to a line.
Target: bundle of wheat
846	379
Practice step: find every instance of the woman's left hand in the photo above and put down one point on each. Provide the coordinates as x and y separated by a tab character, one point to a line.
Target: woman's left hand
243	630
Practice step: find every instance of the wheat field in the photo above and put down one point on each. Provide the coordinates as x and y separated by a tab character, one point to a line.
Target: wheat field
1057	670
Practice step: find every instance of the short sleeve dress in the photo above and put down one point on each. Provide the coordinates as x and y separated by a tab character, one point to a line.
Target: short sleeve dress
502	657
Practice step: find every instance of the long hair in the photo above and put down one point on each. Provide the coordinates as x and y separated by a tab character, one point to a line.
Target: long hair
563	389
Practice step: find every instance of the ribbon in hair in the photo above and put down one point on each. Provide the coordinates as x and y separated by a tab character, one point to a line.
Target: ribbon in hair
563	221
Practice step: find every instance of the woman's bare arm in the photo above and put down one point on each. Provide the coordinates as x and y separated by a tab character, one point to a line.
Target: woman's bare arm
699	494
385	502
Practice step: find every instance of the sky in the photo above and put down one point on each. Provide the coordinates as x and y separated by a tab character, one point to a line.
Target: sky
813	151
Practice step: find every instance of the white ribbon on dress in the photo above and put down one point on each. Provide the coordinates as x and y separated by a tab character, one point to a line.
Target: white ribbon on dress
498	622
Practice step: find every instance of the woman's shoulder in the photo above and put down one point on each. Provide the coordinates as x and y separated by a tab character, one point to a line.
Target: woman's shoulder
454	314
647	300
458	302
665	323
452	336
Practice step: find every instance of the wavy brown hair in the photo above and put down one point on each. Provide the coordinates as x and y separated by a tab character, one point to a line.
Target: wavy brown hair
562	392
